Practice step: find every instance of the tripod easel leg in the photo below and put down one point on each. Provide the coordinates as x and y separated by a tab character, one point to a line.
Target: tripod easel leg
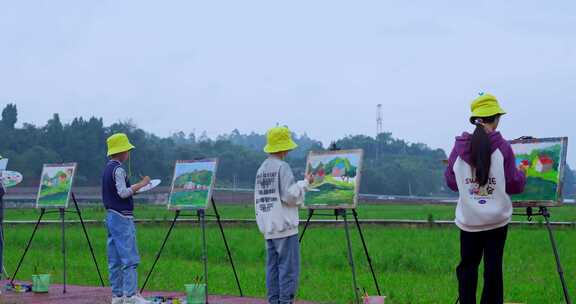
202	219
355	214
160	251
87	238
342	212
62	218
42	211
546	215
310	214
226	245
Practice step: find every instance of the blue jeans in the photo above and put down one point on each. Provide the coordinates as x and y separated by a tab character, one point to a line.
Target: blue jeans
282	269
123	258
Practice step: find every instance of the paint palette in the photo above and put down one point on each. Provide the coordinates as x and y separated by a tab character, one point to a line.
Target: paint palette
3	164
153	184
10	178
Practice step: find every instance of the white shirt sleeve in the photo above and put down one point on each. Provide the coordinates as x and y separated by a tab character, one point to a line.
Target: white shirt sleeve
291	192
120	180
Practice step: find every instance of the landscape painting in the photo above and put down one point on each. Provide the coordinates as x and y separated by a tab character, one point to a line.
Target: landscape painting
544	161
336	179
192	184
55	185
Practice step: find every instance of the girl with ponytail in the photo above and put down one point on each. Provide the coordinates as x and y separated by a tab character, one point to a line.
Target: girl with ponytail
482	169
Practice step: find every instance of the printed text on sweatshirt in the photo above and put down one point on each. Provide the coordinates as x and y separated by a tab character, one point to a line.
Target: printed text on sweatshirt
277	197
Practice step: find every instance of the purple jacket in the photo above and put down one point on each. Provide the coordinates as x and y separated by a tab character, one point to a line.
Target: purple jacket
515	179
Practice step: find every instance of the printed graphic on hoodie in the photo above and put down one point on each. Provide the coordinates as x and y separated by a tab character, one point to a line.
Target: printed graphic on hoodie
481	193
267	191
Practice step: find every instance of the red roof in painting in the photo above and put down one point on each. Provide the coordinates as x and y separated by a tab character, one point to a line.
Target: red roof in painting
545	160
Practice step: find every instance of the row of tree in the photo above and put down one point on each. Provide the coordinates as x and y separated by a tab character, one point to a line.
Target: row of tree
391	166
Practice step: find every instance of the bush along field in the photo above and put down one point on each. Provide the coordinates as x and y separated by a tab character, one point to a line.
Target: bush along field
413	265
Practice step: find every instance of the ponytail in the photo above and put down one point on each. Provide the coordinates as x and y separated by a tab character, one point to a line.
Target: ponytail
481	156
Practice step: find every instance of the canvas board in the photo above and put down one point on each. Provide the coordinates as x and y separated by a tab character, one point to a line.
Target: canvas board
336	179
55	185
192	184
545	160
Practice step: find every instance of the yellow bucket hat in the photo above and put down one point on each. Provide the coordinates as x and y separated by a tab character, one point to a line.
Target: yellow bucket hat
279	139
485	105
118	143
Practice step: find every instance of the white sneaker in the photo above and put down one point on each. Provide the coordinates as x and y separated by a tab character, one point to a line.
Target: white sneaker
136	299
117	300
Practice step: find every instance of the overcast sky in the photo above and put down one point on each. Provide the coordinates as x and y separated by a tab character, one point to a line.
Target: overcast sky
320	67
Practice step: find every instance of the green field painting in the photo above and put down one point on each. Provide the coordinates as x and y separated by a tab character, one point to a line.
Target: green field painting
544	162
192	184
336	179
55	185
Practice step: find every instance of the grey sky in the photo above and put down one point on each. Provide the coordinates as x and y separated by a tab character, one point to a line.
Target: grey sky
318	66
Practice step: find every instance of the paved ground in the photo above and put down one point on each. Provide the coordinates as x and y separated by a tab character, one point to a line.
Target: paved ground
99	295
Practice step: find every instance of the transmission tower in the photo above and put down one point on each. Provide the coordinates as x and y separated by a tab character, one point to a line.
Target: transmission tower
378	128
378	119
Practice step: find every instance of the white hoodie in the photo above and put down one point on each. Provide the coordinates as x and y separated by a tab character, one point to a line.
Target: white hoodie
277	197
488	207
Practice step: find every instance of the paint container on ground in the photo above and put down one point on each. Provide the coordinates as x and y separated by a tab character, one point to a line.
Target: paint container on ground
374	300
40	283
195	293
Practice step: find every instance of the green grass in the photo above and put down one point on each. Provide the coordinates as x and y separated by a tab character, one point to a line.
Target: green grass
53	199
332	192
189	198
246	211
412	265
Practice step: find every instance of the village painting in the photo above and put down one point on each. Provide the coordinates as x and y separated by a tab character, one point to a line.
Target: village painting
544	162
336	179
55	185
192	184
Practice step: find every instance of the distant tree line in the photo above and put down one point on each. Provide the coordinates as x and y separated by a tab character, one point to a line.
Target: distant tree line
391	166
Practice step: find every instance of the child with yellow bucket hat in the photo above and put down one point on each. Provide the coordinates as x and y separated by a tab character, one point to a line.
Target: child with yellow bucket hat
277	198
117	192
482	169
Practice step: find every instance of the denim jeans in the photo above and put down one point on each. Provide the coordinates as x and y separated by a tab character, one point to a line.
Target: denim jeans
123	258
282	269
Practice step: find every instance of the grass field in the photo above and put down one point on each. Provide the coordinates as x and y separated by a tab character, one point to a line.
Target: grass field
195	199
414	265
246	211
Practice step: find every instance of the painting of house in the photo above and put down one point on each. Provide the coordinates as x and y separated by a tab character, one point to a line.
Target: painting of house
192	184
55	185
544	161
336	179
544	164
339	170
